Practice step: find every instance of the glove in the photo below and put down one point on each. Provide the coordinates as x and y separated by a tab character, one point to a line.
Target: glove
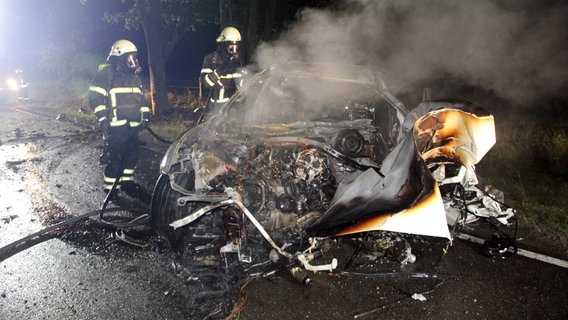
143	124
221	69
215	78
104	125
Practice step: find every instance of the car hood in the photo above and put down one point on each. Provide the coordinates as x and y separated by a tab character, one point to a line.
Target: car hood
404	196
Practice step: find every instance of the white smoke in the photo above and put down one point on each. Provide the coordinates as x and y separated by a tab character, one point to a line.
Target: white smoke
516	49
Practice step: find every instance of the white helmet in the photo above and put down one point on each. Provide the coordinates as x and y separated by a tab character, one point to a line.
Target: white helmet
229	34
123	55
121	47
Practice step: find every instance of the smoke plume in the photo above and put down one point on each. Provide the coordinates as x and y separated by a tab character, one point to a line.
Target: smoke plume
514	49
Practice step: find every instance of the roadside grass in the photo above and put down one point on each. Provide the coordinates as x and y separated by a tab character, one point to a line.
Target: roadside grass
173	125
181	116
529	163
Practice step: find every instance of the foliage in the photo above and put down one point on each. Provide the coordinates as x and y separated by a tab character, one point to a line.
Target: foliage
177	17
181	117
530	164
187	99
172	126
185	14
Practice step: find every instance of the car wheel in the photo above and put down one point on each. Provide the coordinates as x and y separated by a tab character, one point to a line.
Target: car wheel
165	210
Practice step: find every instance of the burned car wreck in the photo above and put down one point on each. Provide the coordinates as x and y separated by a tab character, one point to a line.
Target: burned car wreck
305	153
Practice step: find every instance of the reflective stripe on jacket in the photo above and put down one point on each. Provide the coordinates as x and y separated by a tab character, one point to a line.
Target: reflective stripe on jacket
220	76
118	97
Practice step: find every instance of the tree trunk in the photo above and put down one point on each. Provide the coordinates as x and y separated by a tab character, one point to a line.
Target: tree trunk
269	18
252	30
150	16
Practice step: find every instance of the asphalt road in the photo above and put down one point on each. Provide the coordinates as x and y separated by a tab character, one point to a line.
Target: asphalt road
49	172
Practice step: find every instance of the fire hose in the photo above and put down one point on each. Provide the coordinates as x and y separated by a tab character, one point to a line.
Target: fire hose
155	135
54	231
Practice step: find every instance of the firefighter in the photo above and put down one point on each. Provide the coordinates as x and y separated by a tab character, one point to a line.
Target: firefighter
117	99
23	86
221	72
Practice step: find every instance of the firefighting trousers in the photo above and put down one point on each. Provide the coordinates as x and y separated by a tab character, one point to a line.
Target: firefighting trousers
122	151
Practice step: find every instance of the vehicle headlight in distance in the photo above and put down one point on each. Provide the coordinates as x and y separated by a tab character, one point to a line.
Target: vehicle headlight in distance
13	84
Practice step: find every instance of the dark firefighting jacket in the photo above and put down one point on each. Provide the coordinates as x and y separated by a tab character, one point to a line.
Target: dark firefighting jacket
221	75
117	98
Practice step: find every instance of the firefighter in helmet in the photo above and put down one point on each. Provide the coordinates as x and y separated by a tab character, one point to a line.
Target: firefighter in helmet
221	72
117	99
23	86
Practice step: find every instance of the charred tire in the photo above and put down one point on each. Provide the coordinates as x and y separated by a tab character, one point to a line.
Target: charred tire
165	210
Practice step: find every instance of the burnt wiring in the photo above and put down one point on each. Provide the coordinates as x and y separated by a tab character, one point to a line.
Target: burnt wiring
500	245
241	304
502	204
357	251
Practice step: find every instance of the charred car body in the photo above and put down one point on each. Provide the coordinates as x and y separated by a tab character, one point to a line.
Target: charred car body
304	153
